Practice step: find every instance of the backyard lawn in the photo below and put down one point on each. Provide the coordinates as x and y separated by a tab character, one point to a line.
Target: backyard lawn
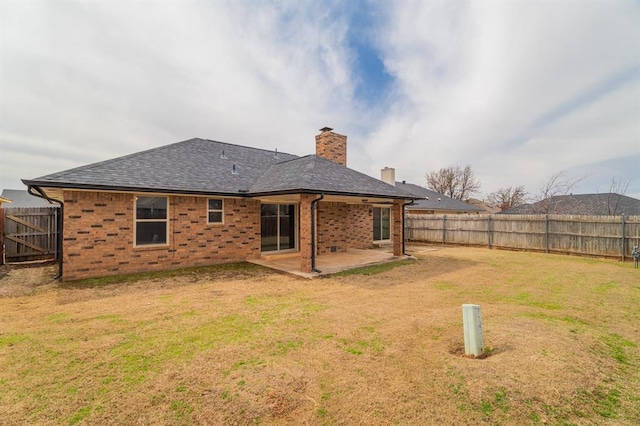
240	344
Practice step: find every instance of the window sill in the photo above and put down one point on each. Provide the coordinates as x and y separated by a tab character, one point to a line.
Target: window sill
151	247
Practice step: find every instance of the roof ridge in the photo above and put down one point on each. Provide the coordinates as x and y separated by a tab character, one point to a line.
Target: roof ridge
91	166
248	147
100	163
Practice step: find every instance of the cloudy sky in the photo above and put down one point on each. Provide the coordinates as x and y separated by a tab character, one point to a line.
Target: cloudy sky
517	89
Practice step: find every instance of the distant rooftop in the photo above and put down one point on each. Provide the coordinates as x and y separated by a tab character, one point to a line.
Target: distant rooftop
431	200
21	198
582	204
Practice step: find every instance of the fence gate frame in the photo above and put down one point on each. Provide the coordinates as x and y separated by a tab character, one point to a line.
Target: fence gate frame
29	234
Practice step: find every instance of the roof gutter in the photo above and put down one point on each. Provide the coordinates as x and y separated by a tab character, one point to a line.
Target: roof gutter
314	204
40	194
236	193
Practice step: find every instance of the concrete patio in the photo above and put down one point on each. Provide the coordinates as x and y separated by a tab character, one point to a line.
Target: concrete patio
328	263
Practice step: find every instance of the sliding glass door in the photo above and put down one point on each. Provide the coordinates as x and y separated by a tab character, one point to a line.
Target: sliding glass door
381	223
278	227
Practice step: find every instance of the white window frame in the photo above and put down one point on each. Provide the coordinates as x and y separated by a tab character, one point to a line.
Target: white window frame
220	210
136	220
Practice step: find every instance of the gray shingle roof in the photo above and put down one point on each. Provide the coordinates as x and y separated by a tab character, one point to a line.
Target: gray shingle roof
582	204
196	166
436	201
192	166
316	174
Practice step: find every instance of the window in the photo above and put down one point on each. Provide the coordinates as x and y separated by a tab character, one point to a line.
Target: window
151	221
215	210
381	223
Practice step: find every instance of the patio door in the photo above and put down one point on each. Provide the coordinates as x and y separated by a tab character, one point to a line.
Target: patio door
381	223
278	227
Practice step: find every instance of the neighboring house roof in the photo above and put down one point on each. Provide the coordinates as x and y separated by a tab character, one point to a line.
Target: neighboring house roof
20	198
431	200
202	166
581	204
484	207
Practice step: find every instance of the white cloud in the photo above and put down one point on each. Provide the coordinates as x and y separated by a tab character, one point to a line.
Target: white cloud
511	87
104	79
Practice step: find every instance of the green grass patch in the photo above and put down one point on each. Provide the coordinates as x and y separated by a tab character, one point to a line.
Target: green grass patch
605	402
617	347
181	410
374	269
358	347
444	285
12	339
58	318
81	414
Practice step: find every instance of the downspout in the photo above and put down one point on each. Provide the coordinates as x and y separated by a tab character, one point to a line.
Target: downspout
40	194
403	236
313	233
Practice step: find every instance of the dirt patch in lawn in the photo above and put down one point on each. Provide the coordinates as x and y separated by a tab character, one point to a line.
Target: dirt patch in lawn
22	280
561	334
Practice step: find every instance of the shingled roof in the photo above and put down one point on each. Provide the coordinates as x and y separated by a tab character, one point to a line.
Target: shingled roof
201	166
315	174
582	204
431	200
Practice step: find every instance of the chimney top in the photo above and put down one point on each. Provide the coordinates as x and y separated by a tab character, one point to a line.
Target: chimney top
388	175
331	146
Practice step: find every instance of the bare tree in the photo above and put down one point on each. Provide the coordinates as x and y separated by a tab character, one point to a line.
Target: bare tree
508	197
454	182
557	184
617	189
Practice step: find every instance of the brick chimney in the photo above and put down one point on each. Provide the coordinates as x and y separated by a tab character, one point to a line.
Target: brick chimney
332	146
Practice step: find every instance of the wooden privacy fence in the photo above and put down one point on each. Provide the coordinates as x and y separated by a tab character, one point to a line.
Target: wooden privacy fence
29	233
611	236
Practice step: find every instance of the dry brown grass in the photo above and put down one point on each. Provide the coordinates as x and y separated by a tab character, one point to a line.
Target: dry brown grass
243	348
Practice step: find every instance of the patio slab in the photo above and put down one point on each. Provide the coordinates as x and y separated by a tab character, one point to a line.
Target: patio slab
329	263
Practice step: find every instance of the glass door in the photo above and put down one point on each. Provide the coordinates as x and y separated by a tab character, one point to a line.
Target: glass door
381	223
278	227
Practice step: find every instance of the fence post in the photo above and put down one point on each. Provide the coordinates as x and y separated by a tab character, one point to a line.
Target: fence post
622	240
546	233
444	228
489	230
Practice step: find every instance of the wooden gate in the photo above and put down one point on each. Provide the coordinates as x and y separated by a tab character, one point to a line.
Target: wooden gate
30	233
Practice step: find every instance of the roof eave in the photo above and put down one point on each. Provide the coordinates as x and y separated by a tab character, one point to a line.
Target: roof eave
134	189
328	192
240	193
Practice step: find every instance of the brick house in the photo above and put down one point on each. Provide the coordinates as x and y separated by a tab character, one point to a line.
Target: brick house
202	202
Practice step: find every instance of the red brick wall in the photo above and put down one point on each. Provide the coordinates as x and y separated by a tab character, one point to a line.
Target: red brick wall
360	226
305	231
397	233
332	227
344	226
98	235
